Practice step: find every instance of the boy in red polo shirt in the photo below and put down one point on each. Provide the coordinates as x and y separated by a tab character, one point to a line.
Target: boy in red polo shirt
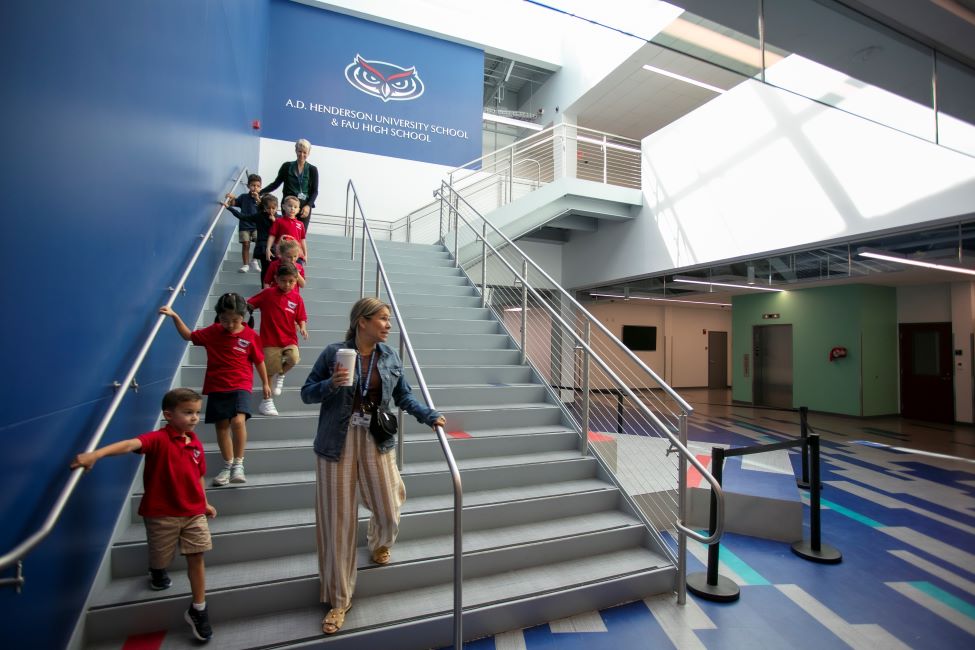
282	310
288	224
174	504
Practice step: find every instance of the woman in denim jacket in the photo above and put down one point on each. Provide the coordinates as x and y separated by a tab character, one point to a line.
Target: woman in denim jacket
348	457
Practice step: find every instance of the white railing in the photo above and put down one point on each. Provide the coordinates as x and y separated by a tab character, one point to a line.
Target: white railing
624	412
498	178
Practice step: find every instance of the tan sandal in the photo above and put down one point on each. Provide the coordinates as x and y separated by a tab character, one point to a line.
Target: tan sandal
334	620
381	555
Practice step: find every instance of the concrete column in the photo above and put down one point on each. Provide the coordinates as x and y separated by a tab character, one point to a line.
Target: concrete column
963	329
564	147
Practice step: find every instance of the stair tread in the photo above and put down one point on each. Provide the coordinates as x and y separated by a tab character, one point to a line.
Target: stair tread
135	532
305	565
384	609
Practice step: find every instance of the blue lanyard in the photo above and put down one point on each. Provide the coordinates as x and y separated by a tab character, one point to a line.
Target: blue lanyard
365	386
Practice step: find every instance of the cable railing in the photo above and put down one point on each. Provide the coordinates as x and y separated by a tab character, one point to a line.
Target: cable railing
406	346
16	555
500	177
624	412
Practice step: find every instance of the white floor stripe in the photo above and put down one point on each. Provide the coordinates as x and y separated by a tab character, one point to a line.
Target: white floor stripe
950	577
865	637
510	641
679	622
586	622
891	502
932	546
934	605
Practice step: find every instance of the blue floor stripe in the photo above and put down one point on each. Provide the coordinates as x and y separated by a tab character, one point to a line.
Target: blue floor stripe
742	568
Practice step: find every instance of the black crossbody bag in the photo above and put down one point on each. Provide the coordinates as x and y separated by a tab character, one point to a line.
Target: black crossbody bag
382	424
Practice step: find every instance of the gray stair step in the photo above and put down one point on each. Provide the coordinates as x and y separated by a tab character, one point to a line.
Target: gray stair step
423	589
498	356
499	524
349	291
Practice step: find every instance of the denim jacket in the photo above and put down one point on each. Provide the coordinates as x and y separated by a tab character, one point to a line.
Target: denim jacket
336	401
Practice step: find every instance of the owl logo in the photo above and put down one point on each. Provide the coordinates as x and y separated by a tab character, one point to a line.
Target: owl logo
386	81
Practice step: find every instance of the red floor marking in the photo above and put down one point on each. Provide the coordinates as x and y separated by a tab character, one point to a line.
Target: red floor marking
148	641
693	476
595	436
459	434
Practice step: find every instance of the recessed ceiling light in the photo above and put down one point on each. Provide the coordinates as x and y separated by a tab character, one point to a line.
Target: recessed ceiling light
900	259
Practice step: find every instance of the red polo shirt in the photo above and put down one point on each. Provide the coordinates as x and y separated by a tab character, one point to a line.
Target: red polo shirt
287	226
171	477
272	271
230	358
280	314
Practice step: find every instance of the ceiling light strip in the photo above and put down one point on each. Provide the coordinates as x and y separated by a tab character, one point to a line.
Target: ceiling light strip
893	257
679	77
748	287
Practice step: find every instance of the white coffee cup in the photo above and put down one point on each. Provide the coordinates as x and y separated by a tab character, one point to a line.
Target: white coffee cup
345	357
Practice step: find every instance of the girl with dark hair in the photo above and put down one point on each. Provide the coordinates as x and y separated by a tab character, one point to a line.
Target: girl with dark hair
233	348
349	460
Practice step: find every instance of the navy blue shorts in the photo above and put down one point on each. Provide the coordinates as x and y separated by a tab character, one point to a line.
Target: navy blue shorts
224	406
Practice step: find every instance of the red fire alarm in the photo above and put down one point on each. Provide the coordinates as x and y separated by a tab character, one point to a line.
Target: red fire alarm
256	125
837	353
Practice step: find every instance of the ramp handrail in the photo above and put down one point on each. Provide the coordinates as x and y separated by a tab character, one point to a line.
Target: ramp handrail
407	346
675	433
17	554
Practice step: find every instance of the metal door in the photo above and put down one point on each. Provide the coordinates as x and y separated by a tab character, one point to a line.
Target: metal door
717	359
927	380
772	377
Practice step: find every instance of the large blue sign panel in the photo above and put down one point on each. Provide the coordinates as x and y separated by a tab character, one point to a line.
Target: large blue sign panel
352	84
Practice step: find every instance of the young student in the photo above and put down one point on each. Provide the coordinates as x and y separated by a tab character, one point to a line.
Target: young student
265	219
174	503
282	309
232	348
247	207
288	224
288	251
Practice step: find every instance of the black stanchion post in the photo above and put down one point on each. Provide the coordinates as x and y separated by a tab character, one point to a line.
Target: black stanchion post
814	550
710	585
619	412
803	483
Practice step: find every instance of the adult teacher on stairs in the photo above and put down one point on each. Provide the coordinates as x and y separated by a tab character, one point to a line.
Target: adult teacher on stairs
300	179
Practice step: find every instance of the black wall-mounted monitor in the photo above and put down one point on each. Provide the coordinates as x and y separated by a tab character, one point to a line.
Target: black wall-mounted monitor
640	338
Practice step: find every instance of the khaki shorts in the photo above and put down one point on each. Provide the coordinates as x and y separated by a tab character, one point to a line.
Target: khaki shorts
273	358
162	533
247	236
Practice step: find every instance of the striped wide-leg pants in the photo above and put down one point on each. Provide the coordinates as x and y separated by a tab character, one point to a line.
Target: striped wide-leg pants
363	472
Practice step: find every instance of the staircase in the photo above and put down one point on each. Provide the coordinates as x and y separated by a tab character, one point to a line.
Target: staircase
547	534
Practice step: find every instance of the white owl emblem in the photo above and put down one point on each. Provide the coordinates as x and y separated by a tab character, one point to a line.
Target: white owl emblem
387	81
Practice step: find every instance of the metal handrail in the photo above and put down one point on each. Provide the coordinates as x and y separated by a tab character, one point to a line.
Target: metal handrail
404	342
18	552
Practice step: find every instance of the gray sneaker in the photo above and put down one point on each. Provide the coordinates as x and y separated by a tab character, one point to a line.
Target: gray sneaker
237	474
222	477
199	623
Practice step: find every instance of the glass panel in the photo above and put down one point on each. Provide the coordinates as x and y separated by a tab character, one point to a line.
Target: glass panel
845	60
727	38
926	357
956	105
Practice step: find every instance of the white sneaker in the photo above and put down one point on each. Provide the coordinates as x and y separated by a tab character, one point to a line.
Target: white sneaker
223	477
243	269
255	265
277	384
237	474
267	407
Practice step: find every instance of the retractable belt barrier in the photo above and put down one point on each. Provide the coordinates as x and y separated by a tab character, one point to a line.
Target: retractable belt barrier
712	586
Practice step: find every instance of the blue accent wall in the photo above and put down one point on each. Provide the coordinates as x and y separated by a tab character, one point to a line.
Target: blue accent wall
123	123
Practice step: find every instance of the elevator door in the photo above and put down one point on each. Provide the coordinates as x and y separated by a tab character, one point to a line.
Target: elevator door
772	378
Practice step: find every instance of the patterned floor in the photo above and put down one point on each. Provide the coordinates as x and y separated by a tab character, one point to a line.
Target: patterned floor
898	503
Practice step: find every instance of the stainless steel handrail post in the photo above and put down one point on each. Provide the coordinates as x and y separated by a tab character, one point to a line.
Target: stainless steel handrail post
511	175
400	447
585	391
524	310
409	228
682	513
362	262
456	245
17	553
605	162
484	266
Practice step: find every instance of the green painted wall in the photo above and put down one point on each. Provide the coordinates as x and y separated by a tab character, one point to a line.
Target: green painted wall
861	318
